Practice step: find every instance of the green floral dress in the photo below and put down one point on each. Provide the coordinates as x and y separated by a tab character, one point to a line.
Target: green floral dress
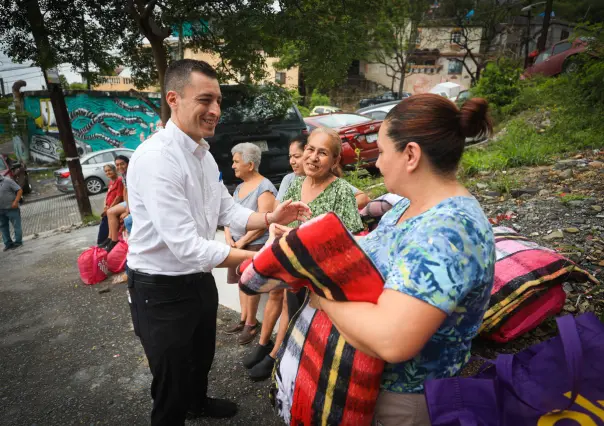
337	198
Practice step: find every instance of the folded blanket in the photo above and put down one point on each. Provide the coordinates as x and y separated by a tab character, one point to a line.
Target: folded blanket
525	272
322	255
319	379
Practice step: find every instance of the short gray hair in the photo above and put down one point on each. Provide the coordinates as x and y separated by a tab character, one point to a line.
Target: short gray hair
250	153
111	166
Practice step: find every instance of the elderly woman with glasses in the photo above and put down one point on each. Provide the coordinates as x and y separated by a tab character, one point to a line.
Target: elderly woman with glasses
256	193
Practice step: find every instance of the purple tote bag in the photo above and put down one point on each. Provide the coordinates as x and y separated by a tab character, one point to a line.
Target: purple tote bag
557	382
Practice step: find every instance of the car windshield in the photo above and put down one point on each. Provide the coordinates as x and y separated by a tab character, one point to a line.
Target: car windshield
542	57
241	105
341	120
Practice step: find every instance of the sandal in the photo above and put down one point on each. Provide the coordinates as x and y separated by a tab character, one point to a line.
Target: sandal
248	333
234	329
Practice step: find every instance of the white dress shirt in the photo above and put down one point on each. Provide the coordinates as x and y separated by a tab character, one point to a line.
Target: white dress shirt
177	201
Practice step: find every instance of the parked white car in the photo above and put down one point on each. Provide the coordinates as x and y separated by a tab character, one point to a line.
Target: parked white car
322	109
448	90
379	111
93	170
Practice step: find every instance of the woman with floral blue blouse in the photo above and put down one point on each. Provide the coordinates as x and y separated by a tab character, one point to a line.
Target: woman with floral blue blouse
436	251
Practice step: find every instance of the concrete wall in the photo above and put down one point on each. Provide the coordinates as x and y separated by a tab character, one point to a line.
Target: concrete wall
119	84
100	120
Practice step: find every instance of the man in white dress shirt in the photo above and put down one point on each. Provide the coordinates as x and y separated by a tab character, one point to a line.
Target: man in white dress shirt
177	201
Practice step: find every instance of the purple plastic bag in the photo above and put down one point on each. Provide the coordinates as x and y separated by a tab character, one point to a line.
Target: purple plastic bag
557	382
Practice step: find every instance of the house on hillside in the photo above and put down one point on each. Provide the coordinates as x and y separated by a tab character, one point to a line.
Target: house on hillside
437	58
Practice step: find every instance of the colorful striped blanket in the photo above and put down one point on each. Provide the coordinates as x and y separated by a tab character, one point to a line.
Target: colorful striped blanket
524	273
319	379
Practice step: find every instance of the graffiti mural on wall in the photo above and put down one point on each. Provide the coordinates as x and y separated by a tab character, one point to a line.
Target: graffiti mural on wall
100	120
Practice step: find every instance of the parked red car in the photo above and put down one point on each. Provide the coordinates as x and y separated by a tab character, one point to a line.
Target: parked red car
356	131
557	59
16	170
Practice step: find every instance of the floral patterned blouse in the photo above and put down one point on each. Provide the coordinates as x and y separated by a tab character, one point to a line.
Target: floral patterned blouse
446	258
337	197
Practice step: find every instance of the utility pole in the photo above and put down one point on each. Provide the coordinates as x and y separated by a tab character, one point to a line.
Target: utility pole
2	85
47	62
545	28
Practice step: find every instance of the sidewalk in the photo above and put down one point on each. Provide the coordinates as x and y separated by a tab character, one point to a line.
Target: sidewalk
70	356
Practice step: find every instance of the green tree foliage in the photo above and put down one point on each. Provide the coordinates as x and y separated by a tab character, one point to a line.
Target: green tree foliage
322	38
317	99
500	83
79	31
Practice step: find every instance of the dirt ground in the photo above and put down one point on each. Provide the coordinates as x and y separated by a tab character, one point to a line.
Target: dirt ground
68	355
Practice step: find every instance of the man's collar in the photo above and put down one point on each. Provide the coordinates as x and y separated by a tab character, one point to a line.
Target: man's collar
197	149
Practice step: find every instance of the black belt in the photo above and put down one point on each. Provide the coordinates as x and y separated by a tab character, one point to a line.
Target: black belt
141	277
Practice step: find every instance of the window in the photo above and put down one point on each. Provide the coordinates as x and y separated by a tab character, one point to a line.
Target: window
279	77
564	35
105	157
542	57
456	37
561	47
455	66
319	110
378	115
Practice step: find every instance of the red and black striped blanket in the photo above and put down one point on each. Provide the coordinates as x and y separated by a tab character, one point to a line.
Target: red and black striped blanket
319	379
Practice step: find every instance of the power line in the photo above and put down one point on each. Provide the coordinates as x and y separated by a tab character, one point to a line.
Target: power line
23	74
23	78
18	68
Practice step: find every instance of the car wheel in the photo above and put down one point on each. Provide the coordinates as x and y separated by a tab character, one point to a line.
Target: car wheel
570	66
94	185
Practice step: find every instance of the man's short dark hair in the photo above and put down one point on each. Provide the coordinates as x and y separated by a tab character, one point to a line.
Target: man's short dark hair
123	158
178	72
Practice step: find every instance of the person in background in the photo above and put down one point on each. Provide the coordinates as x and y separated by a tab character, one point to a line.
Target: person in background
256	193
321	187
119	212
177	202
10	195
435	249
115	195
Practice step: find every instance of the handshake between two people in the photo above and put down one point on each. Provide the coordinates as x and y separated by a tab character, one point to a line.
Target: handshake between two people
287	212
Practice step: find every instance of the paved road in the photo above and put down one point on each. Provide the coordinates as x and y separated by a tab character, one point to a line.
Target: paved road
49	214
68	355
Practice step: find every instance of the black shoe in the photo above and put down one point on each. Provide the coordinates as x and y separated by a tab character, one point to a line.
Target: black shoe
263	369
216	408
258	354
17	245
9	247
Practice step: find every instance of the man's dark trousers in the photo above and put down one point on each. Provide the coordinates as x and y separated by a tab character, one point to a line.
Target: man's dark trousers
175	318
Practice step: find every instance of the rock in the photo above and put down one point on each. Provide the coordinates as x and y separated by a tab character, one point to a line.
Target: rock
556	235
566	174
546	123
518	192
585	307
566	164
482	185
566	190
534	234
596	164
576	203
601	263
526	196
596	208
570	308
578	156
484	173
567	287
544	193
492	193
572	230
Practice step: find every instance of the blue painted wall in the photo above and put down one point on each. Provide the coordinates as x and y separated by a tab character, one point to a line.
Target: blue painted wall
100	120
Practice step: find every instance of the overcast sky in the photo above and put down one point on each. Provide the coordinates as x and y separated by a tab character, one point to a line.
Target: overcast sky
32	75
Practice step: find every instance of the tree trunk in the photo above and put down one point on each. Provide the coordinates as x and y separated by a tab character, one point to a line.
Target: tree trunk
545	28
401	83
47	61
161	62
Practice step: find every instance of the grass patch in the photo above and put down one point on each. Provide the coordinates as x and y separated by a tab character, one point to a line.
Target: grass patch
41	175
503	183
91	219
567	198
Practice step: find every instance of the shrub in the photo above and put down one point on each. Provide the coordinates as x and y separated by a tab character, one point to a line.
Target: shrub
499	83
317	98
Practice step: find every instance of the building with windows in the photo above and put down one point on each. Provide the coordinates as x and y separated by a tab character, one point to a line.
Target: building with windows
437	58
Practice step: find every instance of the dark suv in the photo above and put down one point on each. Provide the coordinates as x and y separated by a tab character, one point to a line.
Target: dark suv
252	115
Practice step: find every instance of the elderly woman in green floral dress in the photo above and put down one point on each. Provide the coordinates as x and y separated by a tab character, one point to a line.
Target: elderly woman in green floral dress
323	191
